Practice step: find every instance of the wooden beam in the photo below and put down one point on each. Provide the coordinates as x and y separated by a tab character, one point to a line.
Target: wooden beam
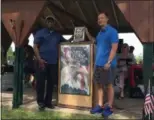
78	5
95	6
114	12
61	4
72	23
16	11
70	15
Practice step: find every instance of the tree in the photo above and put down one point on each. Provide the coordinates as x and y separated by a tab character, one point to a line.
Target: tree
139	58
10	54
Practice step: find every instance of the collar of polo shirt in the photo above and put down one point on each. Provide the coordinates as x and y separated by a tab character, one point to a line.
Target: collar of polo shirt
104	29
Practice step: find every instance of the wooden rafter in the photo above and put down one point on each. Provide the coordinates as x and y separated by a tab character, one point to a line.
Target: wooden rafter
70	14
72	23
78	5
61	4
114	12
95	6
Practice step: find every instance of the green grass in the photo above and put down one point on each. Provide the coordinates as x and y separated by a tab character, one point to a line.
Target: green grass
24	114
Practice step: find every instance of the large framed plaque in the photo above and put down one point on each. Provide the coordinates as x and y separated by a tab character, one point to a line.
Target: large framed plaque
79	34
75	74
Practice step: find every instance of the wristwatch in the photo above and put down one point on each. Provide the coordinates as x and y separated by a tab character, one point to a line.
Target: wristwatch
109	62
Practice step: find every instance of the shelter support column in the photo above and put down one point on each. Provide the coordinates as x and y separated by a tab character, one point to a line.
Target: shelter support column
19	24
147	65
147	62
18	77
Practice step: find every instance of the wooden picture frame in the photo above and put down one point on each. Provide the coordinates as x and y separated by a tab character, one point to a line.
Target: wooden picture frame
79	34
76	100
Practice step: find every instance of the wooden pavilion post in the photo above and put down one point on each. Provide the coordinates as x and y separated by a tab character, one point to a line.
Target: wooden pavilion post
18	17
18	77
18	67
147	69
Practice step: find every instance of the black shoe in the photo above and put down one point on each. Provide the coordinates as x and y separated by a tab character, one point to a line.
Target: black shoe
50	106
41	107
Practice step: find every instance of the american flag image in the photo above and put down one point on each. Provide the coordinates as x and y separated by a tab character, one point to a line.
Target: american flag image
149	102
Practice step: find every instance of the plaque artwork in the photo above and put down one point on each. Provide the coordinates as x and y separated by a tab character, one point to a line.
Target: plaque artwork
75	69
79	34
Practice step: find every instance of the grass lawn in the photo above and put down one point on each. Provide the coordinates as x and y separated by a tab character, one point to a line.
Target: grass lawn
24	114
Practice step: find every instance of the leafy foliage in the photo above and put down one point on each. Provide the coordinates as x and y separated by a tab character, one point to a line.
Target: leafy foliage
10	54
139	58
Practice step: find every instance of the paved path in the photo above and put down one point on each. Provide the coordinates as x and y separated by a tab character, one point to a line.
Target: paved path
132	108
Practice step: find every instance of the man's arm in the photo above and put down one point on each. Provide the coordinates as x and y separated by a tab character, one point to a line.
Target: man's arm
90	37
113	51
37	42
114	42
36	51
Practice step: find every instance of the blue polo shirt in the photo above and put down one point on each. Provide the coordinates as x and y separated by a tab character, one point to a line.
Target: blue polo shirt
48	42
104	41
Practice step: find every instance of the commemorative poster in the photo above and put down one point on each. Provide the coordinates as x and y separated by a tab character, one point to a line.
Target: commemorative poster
75	69
79	34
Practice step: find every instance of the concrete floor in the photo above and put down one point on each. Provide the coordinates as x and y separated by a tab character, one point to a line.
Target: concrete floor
131	108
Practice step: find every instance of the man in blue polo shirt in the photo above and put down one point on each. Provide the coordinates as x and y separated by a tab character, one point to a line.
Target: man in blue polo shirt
46	43
105	63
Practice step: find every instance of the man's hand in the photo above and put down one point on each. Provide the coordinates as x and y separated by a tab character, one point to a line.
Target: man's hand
42	63
86	31
107	66
92	39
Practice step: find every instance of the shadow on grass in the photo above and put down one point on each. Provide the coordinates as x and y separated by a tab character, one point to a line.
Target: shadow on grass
23	114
